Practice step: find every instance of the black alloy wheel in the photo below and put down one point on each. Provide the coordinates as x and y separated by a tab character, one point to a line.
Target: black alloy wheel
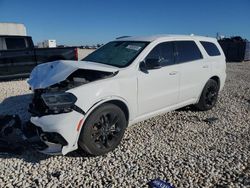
106	130
208	96
103	130
211	95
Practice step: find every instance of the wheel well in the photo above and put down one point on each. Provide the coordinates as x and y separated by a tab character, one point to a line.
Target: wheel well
121	105
217	79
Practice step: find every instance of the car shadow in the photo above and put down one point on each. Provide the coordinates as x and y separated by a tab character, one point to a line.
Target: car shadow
191	108
30	155
16	105
15	147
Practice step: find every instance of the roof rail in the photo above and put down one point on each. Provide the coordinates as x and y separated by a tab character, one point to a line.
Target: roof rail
122	37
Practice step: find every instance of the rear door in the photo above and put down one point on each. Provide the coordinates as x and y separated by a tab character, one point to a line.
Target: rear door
194	70
20	55
215	57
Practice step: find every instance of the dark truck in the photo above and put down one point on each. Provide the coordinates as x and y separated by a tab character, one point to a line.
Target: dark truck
18	56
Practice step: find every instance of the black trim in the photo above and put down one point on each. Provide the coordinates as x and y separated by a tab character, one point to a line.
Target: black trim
78	109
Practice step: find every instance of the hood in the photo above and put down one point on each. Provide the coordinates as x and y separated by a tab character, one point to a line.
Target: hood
47	74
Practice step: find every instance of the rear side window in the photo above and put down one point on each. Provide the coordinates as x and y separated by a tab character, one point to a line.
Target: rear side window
187	51
1	43
163	52
210	48
15	43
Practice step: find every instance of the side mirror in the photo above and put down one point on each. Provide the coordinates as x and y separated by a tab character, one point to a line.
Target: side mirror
151	64
143	67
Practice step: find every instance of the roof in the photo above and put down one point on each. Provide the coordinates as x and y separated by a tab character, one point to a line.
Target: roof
163	36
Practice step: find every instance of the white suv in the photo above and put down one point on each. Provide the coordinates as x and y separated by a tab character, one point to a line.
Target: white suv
90	103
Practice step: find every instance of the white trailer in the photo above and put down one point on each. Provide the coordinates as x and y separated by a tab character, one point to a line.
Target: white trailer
13	29
47	44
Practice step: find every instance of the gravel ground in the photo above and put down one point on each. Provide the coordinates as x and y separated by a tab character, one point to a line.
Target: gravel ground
178	146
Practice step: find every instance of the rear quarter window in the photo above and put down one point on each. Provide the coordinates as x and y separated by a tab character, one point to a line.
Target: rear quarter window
210	48
15	43
1	43
187	51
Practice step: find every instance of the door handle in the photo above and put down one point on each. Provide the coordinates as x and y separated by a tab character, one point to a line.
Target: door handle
205	66
173	73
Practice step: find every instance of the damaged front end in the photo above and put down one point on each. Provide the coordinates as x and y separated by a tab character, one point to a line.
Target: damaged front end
16	136
55	99
45	142
55	116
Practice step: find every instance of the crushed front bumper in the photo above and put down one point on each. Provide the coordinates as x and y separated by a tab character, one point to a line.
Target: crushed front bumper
58	132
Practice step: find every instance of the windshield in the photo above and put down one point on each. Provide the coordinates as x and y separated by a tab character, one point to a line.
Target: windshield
117	53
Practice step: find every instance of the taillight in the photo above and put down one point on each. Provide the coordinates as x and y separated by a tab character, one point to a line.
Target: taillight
76	53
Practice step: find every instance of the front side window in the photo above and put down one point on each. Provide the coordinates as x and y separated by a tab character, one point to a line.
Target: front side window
117	53
15	43
210	48
187	51
164	53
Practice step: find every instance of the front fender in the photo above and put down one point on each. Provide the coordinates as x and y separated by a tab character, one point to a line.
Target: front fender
94	93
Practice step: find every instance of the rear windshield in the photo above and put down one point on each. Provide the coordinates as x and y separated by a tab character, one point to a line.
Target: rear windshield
210	48
117	53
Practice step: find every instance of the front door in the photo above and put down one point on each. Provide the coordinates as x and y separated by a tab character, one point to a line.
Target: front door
159	88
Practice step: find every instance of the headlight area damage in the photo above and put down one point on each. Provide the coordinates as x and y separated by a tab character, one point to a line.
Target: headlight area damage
55	116
52	103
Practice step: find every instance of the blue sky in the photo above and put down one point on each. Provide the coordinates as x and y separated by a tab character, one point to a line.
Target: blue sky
79	22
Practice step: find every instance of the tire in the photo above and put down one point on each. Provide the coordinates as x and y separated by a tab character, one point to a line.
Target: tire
103	130
208	96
